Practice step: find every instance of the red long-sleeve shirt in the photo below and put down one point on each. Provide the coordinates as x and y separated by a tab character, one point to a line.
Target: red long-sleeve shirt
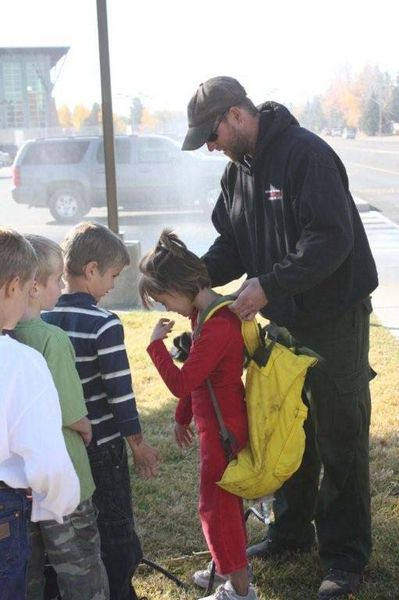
217	353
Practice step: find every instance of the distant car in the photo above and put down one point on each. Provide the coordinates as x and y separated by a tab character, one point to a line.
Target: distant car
11	150
336	132
349	133
67	175
4	159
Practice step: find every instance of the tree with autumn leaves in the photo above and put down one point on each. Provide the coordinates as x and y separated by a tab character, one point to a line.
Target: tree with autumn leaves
82	119
369	102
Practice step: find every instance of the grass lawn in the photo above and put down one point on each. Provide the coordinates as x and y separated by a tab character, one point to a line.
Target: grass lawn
166	508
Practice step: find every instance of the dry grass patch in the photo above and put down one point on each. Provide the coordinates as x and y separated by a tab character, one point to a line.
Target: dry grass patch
166	508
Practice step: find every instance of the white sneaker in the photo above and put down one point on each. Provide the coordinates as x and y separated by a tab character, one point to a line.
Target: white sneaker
227	592
201	578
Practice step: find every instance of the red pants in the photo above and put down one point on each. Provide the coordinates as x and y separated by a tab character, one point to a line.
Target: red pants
221	513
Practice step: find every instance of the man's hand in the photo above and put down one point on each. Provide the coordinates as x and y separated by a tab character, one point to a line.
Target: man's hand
251	298
162	329
145	457
184	435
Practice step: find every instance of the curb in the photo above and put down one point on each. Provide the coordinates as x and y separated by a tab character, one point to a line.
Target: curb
362	205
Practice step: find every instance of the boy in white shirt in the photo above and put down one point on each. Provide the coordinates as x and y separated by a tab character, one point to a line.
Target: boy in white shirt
32	448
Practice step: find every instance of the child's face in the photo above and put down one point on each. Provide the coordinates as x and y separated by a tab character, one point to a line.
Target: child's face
101	283
176	302
52	290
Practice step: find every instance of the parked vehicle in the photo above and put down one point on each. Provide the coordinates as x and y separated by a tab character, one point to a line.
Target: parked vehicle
336	132
67	175
349	133
4	159
11	150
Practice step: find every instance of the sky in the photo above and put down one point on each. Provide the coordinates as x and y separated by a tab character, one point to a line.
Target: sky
161	50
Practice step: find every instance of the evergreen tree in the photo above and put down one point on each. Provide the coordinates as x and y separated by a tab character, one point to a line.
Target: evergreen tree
369	119
94	117
312	116
136	113
394	101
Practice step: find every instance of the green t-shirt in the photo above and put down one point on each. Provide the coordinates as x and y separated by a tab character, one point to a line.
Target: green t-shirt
54	344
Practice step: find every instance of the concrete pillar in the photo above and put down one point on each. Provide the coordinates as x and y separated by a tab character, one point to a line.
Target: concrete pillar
125	293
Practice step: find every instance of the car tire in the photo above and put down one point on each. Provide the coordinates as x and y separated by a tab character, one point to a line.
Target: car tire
67	205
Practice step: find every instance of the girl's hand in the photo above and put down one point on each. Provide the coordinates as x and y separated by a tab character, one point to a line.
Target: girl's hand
184	435
162	329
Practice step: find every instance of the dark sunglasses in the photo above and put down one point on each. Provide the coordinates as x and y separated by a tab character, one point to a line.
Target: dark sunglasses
213	136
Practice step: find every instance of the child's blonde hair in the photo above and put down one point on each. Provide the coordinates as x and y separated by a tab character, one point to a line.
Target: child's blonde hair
93	242
49	256
171	267
17	257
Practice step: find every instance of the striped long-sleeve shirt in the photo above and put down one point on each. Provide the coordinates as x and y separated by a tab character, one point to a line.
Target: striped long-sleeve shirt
101	360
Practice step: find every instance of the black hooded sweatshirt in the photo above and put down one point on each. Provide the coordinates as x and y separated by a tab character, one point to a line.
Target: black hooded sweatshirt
287	217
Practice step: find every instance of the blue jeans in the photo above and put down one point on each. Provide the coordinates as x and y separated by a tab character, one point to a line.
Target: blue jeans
15	512
120	546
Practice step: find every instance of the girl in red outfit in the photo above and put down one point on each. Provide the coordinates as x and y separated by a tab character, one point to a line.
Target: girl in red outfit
177	278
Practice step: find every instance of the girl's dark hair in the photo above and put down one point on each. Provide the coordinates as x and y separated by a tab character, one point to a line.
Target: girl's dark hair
171	267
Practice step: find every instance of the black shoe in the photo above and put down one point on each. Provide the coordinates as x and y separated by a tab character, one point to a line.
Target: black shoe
339	584
268	548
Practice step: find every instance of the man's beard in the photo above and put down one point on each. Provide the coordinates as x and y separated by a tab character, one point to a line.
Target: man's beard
238	148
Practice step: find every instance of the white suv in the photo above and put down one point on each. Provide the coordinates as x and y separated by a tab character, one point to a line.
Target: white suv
67	175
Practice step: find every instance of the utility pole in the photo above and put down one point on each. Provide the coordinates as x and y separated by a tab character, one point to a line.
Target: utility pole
108	125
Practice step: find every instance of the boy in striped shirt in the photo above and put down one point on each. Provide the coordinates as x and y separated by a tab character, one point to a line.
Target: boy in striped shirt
94	257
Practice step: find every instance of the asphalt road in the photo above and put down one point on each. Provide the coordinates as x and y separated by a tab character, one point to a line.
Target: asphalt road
373	170
372	164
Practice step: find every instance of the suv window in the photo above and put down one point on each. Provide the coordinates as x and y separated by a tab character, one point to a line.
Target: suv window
123	151
56	153
156	150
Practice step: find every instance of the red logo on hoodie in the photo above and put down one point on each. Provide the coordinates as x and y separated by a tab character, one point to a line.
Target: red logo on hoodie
273	193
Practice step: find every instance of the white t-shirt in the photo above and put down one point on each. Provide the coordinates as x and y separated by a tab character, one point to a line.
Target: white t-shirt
32	447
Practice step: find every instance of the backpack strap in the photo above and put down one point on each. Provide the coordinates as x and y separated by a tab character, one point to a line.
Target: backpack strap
251	334
211	309
229	442
256	350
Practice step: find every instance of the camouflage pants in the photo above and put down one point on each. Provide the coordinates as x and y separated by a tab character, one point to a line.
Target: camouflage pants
73	549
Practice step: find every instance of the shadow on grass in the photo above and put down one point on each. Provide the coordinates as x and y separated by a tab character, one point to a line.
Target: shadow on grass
166	508
166	512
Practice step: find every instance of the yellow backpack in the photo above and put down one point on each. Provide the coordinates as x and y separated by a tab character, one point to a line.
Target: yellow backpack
273	390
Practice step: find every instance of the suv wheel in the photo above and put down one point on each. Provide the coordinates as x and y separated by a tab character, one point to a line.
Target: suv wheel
67	205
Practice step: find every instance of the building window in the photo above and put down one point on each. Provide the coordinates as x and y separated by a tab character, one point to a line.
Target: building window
36	93
13	94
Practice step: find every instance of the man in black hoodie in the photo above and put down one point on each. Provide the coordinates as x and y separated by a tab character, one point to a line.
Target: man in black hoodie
287	220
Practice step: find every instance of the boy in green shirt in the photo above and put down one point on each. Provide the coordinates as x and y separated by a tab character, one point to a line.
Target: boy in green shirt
72	547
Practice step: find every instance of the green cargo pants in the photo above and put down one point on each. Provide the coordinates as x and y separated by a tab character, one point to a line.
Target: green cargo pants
337	444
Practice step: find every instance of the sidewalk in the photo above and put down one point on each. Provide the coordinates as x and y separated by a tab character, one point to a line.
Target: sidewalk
383	236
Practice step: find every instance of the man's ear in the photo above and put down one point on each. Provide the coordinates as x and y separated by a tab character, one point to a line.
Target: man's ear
235	112
90	269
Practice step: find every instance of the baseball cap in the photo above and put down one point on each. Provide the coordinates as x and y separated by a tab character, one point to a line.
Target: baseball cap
209	102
